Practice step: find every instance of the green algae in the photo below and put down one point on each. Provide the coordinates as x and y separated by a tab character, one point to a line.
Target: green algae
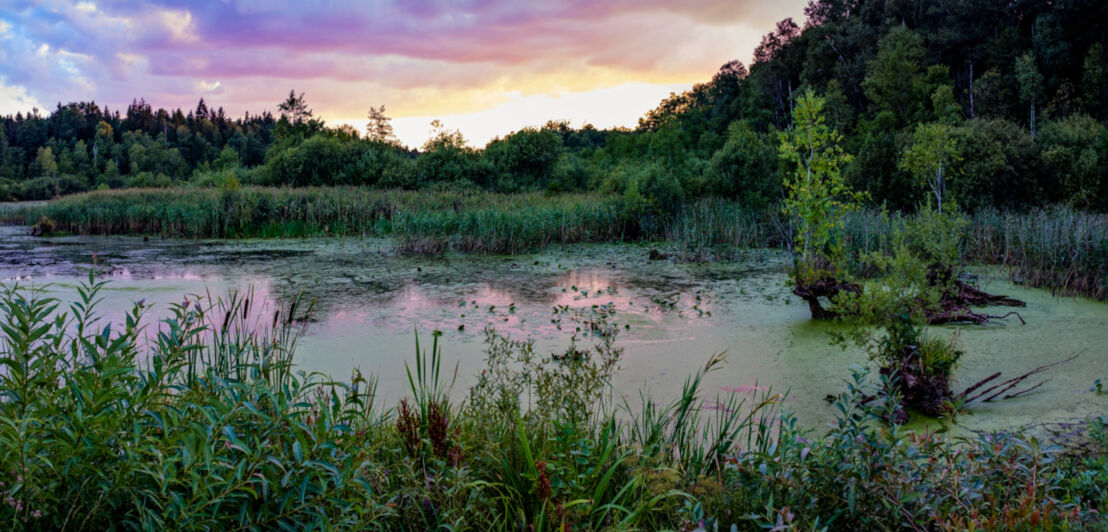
670	316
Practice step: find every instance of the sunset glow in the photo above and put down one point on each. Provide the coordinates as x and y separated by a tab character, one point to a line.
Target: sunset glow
486	67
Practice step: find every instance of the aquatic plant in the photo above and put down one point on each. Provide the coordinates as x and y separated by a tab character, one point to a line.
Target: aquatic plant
1058	247
185	425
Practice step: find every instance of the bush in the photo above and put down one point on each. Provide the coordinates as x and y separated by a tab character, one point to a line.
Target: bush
329	159
1074	152
524	160
653	193
744	168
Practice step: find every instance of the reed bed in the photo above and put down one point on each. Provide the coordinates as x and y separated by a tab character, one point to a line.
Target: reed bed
420	221
714	223
1060	248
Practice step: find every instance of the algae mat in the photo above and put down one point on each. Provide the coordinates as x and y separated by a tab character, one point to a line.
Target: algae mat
671	317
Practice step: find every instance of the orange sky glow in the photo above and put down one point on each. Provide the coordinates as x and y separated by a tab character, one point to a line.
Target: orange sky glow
484	67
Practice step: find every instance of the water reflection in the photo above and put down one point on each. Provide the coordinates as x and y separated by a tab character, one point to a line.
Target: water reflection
671	317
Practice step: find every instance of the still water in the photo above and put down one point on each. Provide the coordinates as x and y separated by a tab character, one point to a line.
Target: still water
671	317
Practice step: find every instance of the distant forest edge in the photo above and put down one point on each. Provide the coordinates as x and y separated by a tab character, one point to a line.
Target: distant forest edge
1018	89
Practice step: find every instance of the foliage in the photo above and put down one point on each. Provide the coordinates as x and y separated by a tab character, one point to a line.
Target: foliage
928	158
653	193
296	120
525	159
1075	151
744	168
894	81
998	167
379	127
333	160
206	425
817	195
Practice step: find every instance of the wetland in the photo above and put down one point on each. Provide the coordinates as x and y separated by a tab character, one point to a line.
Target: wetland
670	316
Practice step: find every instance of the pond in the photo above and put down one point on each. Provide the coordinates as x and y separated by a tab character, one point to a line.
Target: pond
671	316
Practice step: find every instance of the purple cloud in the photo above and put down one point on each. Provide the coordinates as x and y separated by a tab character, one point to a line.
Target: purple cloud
348	55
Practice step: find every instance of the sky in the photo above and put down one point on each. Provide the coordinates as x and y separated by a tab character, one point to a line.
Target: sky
485	67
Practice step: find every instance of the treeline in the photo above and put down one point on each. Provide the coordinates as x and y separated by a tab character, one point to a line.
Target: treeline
82	146
1015	92
1017	89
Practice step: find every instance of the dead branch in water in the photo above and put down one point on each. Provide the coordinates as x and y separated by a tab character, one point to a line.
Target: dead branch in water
996	390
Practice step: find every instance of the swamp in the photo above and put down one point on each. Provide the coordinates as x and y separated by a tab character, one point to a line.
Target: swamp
856	280
669	316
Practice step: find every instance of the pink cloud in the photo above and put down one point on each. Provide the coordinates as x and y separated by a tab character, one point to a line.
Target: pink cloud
410	55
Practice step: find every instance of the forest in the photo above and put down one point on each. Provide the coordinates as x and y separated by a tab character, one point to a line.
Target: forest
1016	92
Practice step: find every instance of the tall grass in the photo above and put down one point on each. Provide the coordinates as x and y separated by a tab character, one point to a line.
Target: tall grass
196	423
106	427
1060	248
1063	249
420	221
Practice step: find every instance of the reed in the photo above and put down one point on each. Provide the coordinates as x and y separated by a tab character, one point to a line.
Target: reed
202	422
1060	248
1063	249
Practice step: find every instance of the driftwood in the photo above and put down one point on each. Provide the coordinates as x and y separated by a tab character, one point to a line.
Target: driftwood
966	316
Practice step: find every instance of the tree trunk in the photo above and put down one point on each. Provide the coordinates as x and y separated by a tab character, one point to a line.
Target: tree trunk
971	112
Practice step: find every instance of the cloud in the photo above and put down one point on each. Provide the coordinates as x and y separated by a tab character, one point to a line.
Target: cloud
604	108
15	99
421	58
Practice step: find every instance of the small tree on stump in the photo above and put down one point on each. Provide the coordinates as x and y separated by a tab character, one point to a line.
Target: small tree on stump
935	237
817	198
918	365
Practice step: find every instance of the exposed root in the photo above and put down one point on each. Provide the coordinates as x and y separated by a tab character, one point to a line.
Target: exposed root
955	303
970	295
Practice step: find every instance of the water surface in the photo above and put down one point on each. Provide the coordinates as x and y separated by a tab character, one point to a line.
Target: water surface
671	316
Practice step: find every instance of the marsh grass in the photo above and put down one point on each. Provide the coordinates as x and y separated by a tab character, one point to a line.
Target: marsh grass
202	422
1060	248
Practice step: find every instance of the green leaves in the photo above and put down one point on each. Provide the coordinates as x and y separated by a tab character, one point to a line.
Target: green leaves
932	152
817	195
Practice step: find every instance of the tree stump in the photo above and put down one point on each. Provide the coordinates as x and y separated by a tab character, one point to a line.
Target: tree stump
824	286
